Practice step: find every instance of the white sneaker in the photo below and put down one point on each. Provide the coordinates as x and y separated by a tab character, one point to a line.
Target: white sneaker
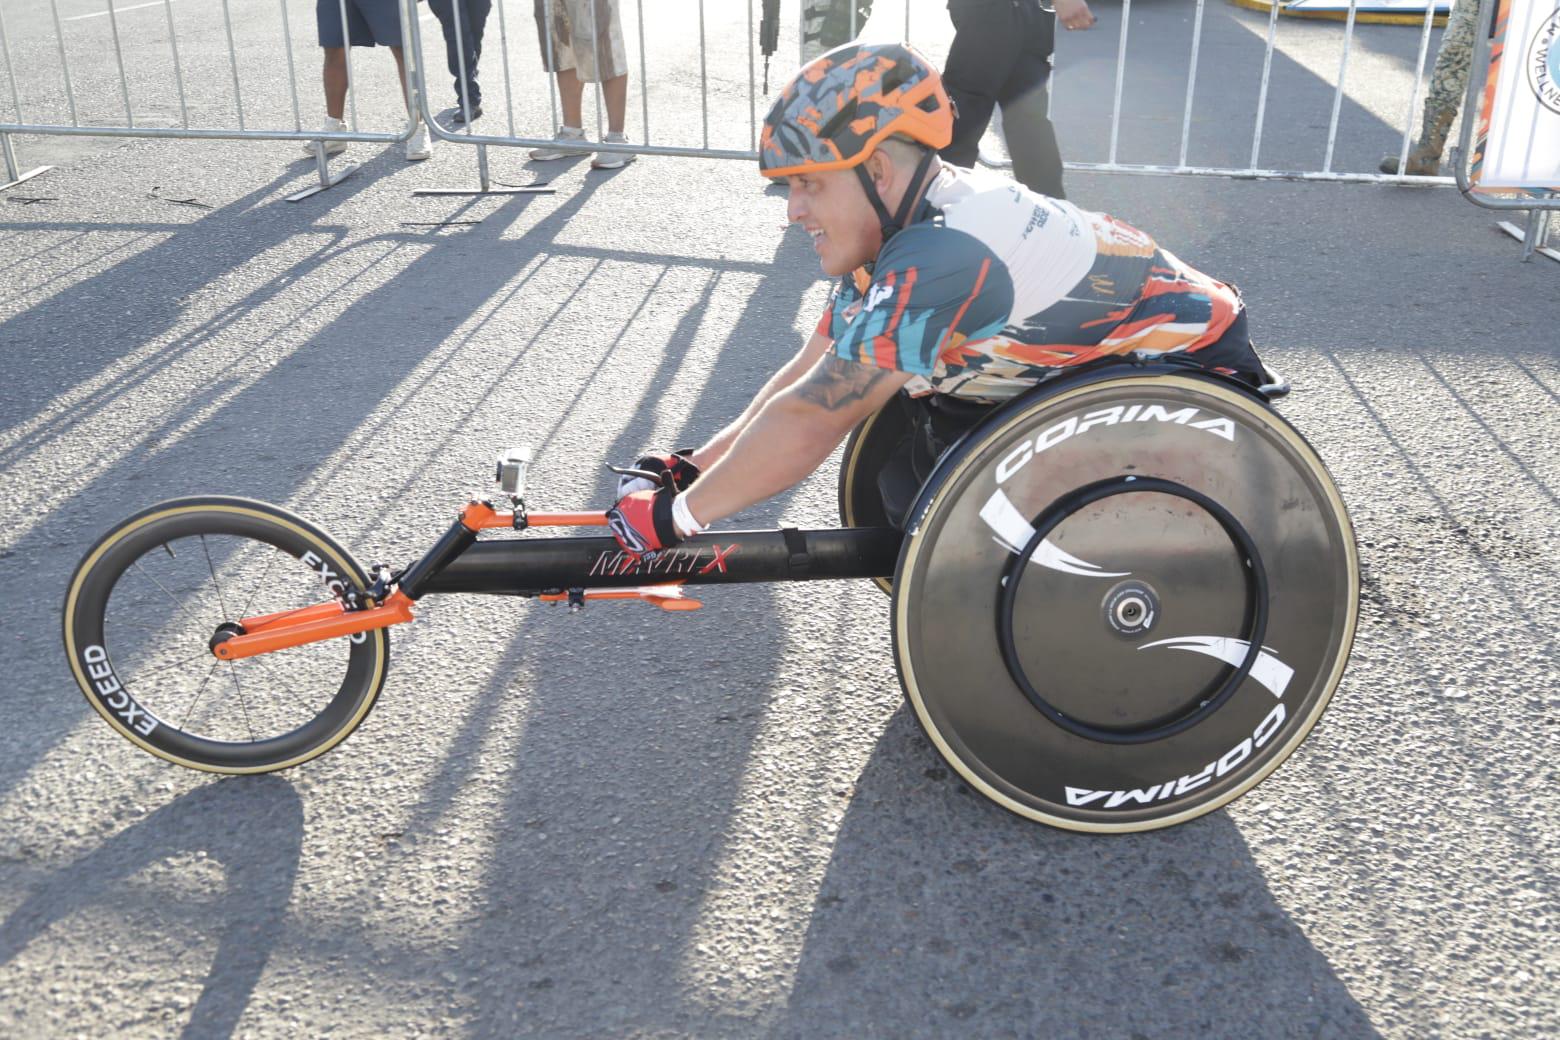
612	160
418	146
563	145
331	126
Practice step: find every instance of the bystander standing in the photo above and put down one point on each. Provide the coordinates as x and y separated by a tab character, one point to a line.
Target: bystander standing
369	23
582	42
1448	81
1001	57
463	47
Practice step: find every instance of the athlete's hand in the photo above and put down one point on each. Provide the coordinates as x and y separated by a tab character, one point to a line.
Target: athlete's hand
678	463
1074	14
642	522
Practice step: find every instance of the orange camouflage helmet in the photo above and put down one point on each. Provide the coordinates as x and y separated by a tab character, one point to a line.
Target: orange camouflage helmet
843	104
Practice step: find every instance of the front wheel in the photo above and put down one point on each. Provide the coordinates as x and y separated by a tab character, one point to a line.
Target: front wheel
147	601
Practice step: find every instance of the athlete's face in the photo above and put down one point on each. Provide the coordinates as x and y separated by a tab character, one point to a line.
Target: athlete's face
834	210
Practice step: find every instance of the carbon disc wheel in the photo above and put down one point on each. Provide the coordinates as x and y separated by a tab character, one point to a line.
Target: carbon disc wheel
154	595
1125	599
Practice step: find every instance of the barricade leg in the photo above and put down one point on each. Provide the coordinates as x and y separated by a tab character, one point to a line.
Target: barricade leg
1534	237
13	176
328	178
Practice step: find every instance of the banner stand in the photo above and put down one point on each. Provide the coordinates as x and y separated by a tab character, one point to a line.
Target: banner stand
1508	155
1535	238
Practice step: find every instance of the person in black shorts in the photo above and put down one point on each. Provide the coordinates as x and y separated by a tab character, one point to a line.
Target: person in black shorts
369	23
1001	56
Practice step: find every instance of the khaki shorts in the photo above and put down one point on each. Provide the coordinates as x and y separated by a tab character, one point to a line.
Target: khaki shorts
587	36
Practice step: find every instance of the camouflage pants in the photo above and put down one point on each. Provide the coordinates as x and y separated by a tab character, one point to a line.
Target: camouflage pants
1449	80
827	23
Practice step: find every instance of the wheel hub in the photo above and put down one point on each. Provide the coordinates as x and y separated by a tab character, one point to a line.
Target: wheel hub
1131	608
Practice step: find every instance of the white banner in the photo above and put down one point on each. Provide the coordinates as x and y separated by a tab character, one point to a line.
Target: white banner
1522	149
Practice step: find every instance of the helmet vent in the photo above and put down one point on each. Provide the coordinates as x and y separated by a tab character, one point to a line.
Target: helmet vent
895	78
838	121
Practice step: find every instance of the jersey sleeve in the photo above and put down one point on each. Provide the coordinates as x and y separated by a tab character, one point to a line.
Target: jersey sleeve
932	288
825	325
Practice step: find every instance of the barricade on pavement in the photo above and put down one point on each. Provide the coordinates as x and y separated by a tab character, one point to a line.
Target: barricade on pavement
774	12
129	127
1514	162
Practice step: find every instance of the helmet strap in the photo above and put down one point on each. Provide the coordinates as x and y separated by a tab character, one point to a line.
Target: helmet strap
892	225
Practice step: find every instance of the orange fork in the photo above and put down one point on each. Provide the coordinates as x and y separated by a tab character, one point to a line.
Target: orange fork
268	632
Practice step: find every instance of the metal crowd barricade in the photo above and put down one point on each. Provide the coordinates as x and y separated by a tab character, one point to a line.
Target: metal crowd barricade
130	128
481	142
1254	170
512	136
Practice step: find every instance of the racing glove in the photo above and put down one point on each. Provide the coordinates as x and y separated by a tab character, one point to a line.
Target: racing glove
642	522
677	463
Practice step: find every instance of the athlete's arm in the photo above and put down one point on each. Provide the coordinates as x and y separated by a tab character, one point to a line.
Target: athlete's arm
792	434
815	347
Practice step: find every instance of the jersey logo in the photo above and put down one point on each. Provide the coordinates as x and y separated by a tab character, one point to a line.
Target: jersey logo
878	294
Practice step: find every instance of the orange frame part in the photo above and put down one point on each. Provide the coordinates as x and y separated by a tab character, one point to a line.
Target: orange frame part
269	632
265	633
481	516
667	597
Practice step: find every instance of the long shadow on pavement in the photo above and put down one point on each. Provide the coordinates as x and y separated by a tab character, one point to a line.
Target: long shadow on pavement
945	912
251	826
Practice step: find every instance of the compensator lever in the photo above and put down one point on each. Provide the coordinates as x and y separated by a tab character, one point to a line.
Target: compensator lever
667	597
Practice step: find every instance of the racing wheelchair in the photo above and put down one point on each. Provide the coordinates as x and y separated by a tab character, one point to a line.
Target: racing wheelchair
1119	601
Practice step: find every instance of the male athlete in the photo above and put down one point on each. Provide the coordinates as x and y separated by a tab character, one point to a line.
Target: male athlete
958	288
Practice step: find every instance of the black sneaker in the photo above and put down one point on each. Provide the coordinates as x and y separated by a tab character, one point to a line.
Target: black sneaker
459	118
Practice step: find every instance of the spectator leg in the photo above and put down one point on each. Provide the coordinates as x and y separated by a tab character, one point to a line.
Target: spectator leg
1031	140
400	75
473	20
615	92
1024	98
570	91
985	46
1448	81
444	11
335	77
477	12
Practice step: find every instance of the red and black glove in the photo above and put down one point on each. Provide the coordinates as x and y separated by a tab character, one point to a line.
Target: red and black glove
677	463
642	522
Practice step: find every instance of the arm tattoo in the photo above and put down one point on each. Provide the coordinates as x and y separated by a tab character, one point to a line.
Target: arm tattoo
835	383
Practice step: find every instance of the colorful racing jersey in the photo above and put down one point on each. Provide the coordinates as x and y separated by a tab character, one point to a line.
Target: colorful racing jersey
995	288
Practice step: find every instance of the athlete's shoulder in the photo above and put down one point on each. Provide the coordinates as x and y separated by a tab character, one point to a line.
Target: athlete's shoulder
941	260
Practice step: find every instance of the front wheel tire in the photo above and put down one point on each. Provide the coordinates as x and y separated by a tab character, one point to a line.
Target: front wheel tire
147	601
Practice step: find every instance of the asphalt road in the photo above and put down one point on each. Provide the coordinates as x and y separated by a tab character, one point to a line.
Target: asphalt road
726	823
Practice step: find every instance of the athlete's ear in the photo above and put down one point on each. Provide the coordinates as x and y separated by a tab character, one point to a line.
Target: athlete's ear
881	168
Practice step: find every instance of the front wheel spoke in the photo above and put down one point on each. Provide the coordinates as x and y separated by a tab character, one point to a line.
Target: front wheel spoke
121	623
174	599
269	560
141	674
243	705
279	683
198	694
213	569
